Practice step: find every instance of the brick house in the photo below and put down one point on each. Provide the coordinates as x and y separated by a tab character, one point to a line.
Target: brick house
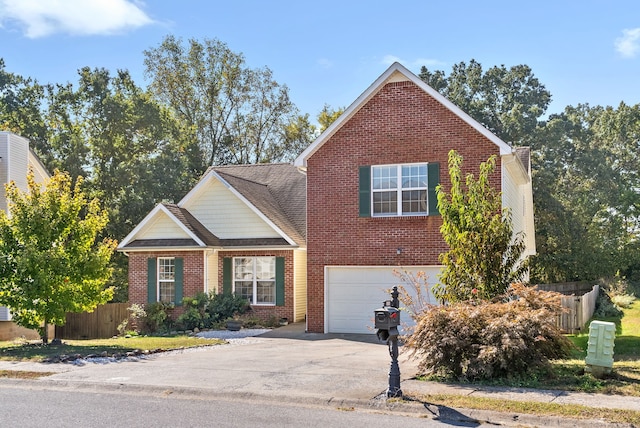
240	229
371	203
356	205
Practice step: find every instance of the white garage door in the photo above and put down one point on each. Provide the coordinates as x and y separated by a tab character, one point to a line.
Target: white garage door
354	292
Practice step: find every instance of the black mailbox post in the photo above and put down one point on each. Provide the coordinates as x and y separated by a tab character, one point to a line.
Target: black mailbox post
387	320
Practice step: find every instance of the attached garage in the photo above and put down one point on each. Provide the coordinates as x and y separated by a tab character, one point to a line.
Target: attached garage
352	293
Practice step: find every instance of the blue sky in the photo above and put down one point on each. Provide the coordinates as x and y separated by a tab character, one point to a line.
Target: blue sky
329	52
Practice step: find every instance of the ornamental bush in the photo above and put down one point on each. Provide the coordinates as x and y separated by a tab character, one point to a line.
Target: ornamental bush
479	340
204	310
226	305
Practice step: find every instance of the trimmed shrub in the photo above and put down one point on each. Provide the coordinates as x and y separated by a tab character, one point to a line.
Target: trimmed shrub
157	319
202	311
479	340
226	305
195	313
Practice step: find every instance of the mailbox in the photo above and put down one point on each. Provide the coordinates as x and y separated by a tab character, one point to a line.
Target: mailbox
387	318
387	321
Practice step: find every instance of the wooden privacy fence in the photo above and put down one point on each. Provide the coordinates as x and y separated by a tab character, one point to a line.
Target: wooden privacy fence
102	323
579	305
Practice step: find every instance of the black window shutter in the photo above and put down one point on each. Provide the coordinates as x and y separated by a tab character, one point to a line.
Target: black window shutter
433	179
227	272
179	279
279	281
364	186
152	281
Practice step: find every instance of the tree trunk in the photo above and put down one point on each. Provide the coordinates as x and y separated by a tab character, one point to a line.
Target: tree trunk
45	333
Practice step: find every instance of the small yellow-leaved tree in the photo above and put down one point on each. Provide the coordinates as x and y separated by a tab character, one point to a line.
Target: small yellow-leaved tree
51	261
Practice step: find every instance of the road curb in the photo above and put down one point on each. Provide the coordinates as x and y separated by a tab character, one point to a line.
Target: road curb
379	403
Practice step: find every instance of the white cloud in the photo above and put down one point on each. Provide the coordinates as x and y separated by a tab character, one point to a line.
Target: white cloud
629	44
325	63
40	18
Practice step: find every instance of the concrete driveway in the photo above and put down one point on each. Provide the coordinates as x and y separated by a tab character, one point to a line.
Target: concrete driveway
284	362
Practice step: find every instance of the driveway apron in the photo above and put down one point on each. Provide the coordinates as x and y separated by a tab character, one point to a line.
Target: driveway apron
286	361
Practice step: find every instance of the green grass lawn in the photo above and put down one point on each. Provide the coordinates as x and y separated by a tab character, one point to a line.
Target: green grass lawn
38	352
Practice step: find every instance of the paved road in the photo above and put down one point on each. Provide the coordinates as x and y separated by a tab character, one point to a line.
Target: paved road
37	408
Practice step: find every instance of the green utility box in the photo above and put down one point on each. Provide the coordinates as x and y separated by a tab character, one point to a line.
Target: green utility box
599	359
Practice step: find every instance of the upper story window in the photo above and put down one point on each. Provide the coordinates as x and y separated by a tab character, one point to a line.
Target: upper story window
398	190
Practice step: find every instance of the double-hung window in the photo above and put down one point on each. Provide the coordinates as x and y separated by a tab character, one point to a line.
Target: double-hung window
398	190
166	279
254	278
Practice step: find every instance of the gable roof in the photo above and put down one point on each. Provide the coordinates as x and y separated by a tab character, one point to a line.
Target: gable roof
395	73
195	237
277	192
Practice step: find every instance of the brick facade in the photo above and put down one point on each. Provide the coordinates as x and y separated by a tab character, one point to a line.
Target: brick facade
193	278
400	124
266	312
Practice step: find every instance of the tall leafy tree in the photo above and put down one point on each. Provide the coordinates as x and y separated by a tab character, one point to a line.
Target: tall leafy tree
238	114
21	99
507	101
131	150
586	192
52	262
484	256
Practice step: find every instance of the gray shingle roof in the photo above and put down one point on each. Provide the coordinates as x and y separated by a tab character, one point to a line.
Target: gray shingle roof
160	243
277	190
193	225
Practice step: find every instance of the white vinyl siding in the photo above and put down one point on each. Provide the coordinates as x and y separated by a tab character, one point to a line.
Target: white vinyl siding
18	158
14	165
300	288
212	273
517	196
162	227
513	199
5	314
228	217
39	172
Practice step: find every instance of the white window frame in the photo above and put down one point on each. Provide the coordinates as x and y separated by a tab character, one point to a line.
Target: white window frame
255	280
399	189
161	279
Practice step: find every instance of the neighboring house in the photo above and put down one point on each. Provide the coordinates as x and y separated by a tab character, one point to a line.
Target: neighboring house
16	159
241	229
371	201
